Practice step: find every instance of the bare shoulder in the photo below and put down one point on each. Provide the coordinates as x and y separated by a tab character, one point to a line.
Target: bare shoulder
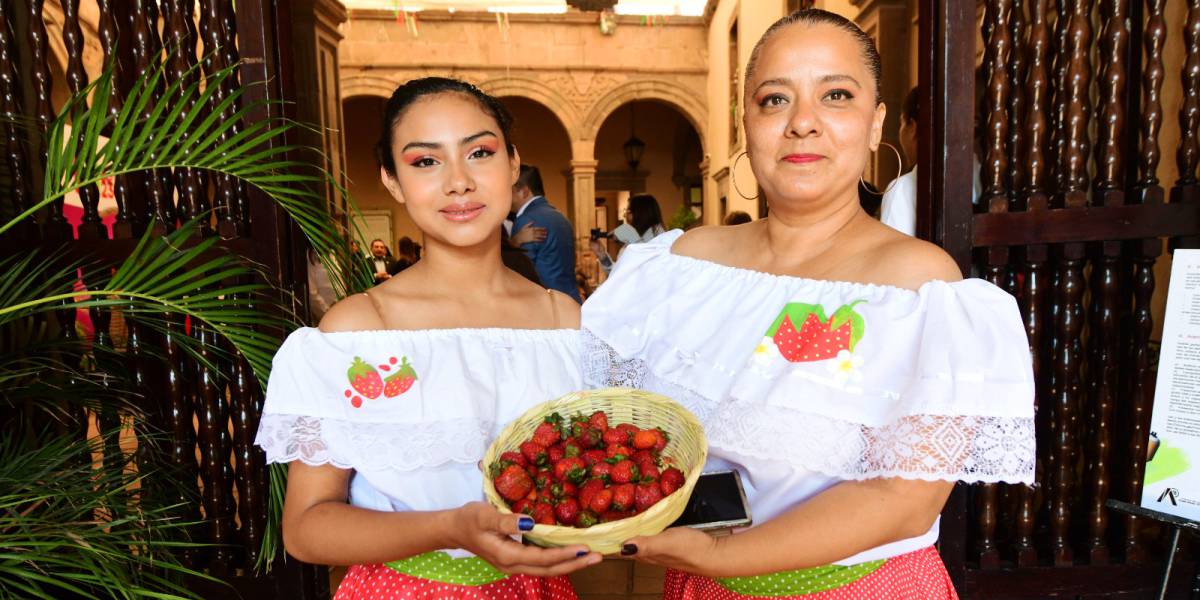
705	242
567	310
909	263
353	313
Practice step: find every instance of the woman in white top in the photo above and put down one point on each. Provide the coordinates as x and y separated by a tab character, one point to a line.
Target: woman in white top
384	412
843	368
642	223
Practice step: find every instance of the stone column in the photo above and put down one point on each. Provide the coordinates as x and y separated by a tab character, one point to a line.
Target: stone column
708	187
583	203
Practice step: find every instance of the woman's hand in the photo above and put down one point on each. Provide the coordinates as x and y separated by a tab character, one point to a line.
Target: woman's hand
681	548
529	234
484	531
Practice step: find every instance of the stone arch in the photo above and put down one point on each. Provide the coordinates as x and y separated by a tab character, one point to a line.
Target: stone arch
367	85
678	97
538	92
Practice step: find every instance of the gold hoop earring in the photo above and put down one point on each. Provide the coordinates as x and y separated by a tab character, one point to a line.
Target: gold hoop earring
899	172
733	178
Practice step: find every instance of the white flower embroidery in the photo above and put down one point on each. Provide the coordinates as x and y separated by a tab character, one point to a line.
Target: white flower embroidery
765	352
845	367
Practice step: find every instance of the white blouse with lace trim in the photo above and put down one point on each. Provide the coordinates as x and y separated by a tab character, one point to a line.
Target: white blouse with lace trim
803	383
346	399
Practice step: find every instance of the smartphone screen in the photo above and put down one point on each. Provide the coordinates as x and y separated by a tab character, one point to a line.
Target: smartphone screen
718	502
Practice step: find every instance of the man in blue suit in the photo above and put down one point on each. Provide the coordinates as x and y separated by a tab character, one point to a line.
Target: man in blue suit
553	257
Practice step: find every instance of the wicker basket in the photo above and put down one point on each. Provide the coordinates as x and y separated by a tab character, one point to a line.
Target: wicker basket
687	447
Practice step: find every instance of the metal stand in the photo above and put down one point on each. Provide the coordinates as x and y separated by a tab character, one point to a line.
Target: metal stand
1178	524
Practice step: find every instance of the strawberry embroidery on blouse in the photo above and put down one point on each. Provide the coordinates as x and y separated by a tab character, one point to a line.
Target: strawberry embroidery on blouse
367	382
818	337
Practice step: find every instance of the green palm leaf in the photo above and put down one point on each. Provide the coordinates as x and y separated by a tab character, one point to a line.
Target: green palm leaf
165	279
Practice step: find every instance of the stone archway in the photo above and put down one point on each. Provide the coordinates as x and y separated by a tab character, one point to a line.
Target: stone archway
539	92
679	97
367	85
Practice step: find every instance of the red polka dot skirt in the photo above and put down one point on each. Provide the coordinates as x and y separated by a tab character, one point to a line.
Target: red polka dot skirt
918	575
379	582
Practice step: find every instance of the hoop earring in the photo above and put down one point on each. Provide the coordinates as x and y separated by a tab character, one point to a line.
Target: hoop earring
733	178
899	172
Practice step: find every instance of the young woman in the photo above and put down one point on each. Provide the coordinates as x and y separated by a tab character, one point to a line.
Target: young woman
842	367
384	412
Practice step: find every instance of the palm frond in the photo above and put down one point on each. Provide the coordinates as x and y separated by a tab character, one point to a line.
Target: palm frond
67	527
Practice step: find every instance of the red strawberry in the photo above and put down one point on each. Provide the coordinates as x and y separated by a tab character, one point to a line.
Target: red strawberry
614	436
515	458
646	495
588	490
662	439
567	511
643	458
543	513
586	519
644	439
572	448
534	452
619	450
555	453
601	470
523	506
592	457
630	430
670	480
546	434
544	479
397	383
818	338
513	483
589	437
623	497
599	421
364	379
570	469
649	473
601	501
624	472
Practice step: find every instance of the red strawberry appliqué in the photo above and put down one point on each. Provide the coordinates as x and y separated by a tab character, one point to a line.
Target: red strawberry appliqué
367	381
819	338
400	381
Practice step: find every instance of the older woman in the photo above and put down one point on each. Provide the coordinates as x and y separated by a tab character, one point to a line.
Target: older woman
843	368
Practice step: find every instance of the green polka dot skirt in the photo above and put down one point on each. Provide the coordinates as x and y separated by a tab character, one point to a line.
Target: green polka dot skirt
441	567
800	581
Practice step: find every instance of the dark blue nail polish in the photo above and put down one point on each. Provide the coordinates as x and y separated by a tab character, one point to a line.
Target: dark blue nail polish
581	553
525	523
628	549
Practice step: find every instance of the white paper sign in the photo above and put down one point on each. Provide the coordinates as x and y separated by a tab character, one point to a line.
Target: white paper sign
1172	480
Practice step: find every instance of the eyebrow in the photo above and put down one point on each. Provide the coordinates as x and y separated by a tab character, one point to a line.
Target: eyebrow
435	145
835	78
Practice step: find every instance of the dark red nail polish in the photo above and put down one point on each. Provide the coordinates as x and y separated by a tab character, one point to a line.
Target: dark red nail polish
628	549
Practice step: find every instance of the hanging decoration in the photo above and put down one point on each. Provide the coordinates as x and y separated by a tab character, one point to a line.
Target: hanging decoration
503	24
608	22
652	20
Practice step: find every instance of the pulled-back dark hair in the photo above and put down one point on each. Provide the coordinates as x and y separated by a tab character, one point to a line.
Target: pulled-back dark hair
644	212
816	16
414	90
530	177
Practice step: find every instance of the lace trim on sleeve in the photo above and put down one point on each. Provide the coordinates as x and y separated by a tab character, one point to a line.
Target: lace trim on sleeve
371	446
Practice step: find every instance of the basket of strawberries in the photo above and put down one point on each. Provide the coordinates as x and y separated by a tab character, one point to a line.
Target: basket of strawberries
597	467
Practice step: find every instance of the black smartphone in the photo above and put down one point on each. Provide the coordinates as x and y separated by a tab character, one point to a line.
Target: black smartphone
718	504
